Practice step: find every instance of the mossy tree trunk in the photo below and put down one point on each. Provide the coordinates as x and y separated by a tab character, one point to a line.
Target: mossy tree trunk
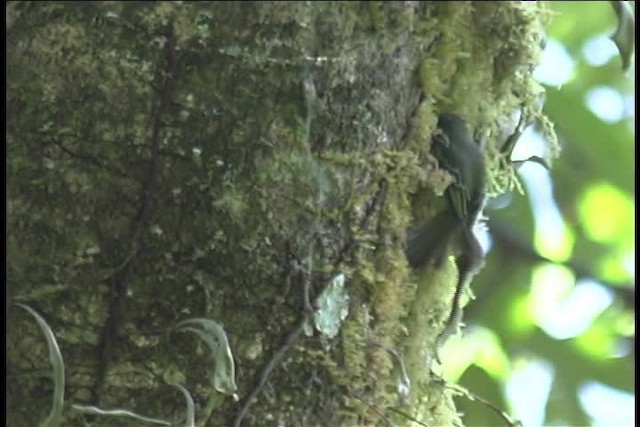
229	160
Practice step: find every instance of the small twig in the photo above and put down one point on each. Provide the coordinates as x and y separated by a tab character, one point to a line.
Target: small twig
93	160
292	338
473	397
407	416
373	408
510	143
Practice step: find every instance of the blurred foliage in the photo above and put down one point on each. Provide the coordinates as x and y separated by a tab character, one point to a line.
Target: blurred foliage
593	187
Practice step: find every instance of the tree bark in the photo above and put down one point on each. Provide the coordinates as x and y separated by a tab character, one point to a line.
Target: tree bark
228	161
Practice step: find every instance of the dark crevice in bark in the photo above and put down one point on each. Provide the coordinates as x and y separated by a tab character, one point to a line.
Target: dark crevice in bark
118	281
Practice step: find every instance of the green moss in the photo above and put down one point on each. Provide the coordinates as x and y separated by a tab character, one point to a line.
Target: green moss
354	341
480	67
376	14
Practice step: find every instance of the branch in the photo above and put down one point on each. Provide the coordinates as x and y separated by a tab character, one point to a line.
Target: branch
292	338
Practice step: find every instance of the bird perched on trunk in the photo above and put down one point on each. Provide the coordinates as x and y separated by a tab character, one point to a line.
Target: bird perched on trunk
450	231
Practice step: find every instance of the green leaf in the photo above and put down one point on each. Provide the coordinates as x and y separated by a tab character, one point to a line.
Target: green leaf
119	413
215	337
55	357
624	37
190	418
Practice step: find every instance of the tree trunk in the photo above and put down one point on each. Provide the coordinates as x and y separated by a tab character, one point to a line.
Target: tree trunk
233	161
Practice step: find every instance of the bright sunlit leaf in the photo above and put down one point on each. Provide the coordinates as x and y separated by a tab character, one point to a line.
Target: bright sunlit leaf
581	307
599	340
614	267
607	215
552	239
625	323
522	315
550	284
479	346
563	310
